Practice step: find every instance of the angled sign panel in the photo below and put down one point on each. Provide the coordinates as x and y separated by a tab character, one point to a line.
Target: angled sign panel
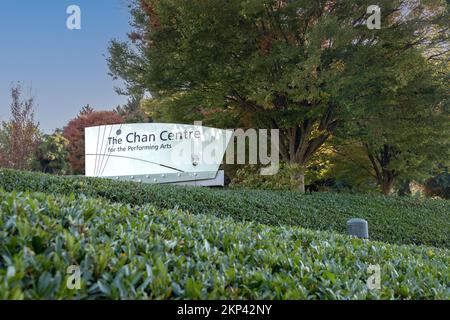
155	152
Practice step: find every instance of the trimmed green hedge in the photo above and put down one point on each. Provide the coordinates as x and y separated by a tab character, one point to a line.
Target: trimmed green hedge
128	252
391	219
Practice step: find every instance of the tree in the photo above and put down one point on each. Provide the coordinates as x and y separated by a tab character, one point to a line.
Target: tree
52	154
19	136
87	109
132	111
405	132
74	133
439	185
293	65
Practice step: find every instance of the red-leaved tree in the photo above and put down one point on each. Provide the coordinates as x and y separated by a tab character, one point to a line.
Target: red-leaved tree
74	132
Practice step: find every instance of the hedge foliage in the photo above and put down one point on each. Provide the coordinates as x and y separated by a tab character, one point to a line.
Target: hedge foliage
142	252
398	220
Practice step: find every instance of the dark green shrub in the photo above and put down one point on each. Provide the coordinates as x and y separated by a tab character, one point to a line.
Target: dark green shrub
398	220
250	177
139	253
439	186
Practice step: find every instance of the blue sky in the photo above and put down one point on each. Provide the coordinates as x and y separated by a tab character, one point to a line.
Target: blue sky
65	69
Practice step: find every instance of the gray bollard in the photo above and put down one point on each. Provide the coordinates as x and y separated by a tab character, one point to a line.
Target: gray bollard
358	228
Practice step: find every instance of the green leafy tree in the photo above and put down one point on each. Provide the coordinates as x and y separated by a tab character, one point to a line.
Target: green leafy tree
295	66
52	154
132	111
405	131
439	185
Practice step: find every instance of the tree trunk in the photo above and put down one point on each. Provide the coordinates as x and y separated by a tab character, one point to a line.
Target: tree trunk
380	161
300	179
387	189
387	184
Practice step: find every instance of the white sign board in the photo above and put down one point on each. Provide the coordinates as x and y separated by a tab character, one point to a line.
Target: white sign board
155	151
